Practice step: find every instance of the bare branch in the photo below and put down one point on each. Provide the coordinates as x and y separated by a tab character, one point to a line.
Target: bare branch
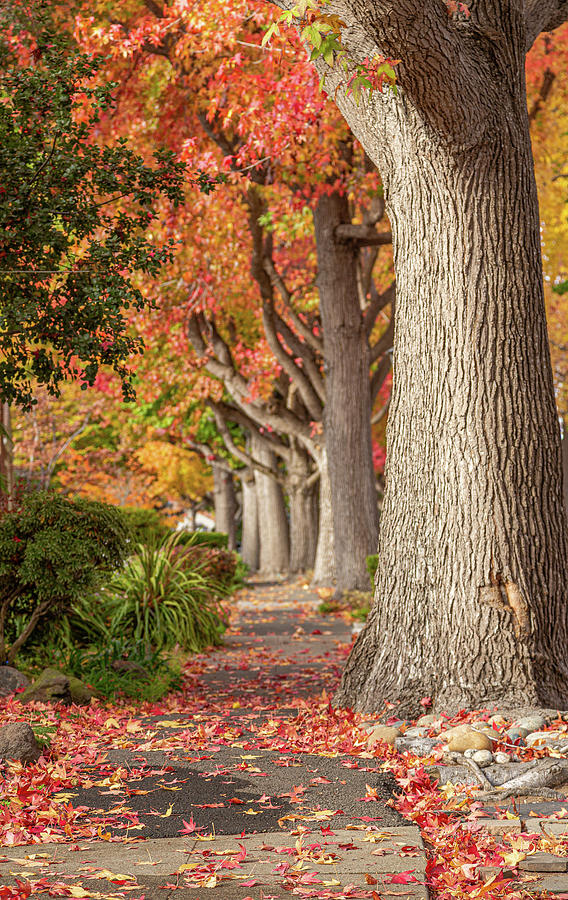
379	416
384	344
377	304
379	376
63	448
238	452
300	326
309	396
362	236
303	351
267	438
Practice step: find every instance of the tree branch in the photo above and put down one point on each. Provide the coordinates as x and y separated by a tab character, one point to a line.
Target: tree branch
377	304
362	236
384	344
238	452
543	15
379	376
269	439
309	396
301	327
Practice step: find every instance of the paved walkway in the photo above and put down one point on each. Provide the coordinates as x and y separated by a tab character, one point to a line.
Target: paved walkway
231	791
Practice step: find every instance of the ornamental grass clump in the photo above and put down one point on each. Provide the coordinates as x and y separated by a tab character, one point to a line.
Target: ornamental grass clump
163	597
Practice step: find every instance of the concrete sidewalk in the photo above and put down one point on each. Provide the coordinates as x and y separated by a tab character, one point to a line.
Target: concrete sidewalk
265	824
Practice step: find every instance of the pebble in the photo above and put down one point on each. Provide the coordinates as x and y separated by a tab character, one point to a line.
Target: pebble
483	758
501	757
469	740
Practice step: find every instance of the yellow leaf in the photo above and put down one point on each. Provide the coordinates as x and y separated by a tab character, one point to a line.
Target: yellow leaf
252	812
513	859
210	882
111	723
113	876
168	812
332	882
187	868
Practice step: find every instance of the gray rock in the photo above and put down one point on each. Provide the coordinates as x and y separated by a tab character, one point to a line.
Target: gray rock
552	739
497	774
483	758
530	723
416	732
544	862
420	746
11	680
427	721
515	735
18	742
53	686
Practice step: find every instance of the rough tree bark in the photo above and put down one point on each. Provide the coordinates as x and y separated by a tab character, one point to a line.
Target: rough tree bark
471	601
250	543
225	504
272	519
347	413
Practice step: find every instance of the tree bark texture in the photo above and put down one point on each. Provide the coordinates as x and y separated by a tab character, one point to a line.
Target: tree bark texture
302	497
272	519
471	601
325	565
347	413
250	543
225	504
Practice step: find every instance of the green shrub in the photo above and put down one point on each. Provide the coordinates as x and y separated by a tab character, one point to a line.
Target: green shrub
209	538
145	525
53	552
372	563
162	597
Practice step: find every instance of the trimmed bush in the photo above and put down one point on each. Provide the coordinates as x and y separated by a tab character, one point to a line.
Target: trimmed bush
208	538
145	525
53	552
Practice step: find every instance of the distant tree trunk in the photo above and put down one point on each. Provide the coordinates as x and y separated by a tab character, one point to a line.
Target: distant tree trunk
6	455
303	512
250	543
225	504
347	413
325	563
272	518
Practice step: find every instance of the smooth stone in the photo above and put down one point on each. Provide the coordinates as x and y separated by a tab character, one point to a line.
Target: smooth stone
17	741
552	739
544	862
483	758
384	733
427	720
54	686
416	732
469	753
12	680
501	757
469	740
515	734
420	746
531	723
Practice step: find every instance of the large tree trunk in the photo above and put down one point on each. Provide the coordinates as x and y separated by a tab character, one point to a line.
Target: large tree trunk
303	512
347	414
324	566
272	518
471	601
250	544
225	504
